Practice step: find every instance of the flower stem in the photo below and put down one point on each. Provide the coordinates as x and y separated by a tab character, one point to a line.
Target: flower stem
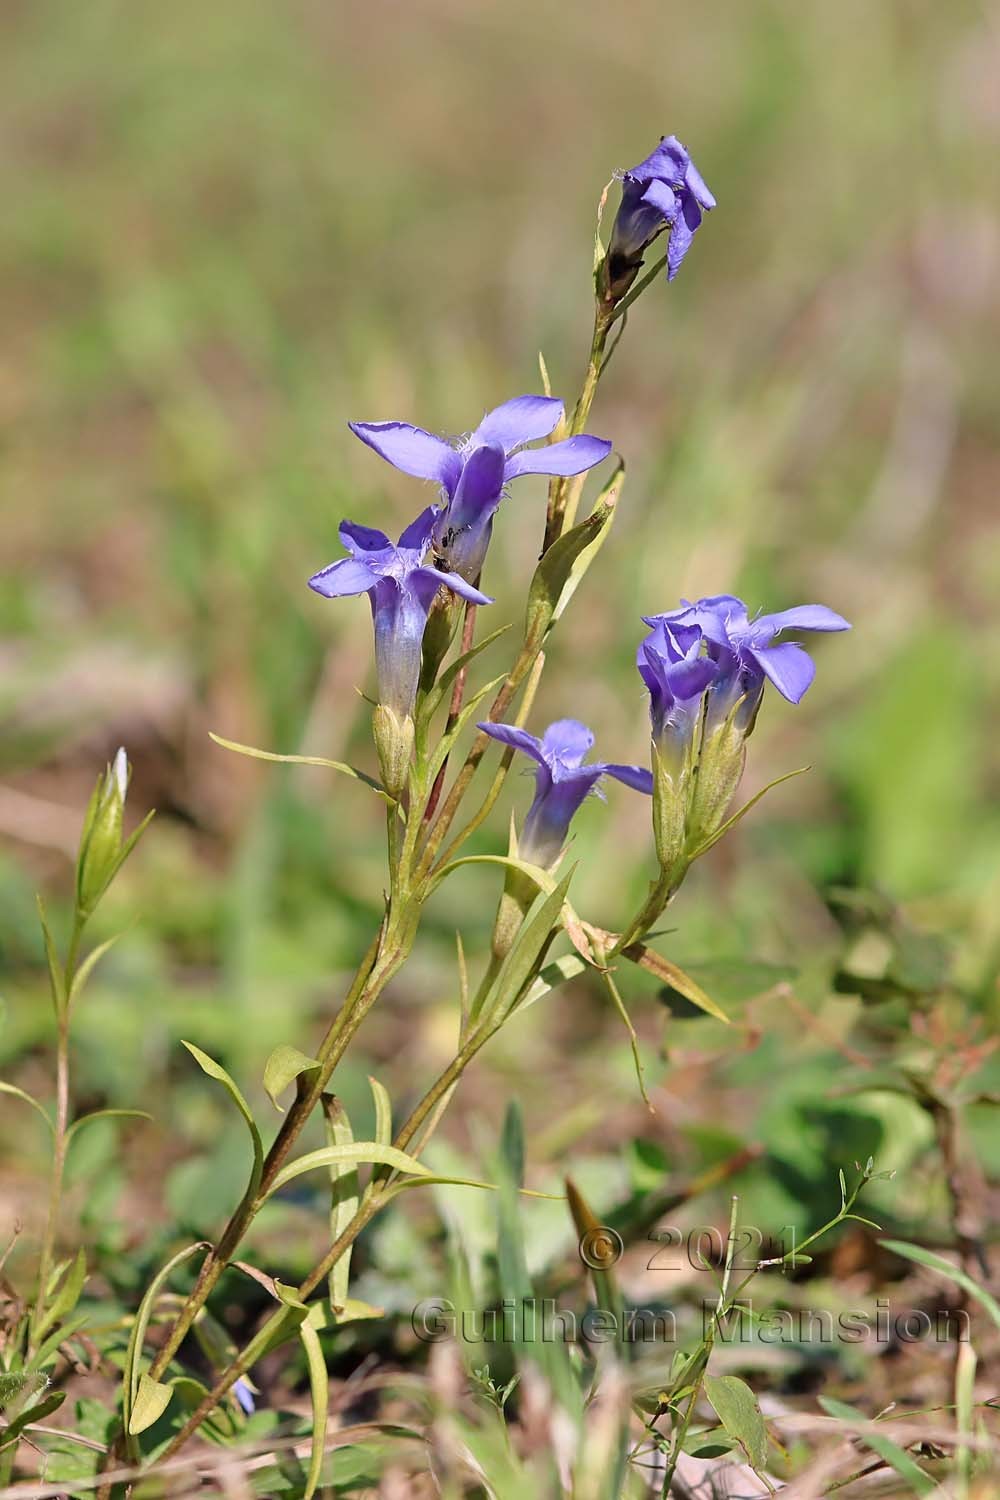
47	1253
564	495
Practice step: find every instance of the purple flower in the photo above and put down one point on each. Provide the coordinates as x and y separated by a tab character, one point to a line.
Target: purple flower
675	669
562	782
401	588
746	653
473	475
666	191
244	1395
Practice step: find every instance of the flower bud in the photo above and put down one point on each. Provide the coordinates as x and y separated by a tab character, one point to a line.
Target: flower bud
720	766
101	840
394	743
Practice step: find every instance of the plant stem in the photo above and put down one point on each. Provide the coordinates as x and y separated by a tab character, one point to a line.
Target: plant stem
455	706
564	496
47	1254
376	969
703	1356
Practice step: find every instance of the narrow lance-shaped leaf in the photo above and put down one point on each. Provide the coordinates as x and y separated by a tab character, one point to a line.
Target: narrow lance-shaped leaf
133	1354
533	937
945	1268
319	1388
353	1154
67	1296
891	1453
737	816
344	1197
669	973
26	1098
57	982
298	760
562	568
216	1070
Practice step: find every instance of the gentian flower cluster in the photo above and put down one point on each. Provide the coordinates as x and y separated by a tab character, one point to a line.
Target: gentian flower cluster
474	475
664	192
562	782
705	666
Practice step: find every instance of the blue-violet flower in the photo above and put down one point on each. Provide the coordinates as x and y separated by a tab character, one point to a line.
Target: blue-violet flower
666	191
401	588
562	782
473	475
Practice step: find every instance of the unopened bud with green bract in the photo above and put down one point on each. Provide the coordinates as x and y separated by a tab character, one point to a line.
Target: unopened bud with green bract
394	743
101	848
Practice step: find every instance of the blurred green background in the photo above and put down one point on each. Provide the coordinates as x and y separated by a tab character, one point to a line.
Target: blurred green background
228	229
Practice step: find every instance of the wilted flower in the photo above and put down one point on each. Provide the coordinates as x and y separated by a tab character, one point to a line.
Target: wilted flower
562	782
401	588
666	191
473	475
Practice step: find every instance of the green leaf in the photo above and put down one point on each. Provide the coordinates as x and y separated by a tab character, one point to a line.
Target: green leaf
49	1346
17	1386
151	1401
284	1065
670	974
539	877
57	982
133	1354
105	1114
300	760
344	1198
67	1297
319	1387
444	746
88	966
436	695
891	1453
216	1070
534	934
16	1093
12	1431
383	1112
562	568
559	971
945	1268
737	816
351	1154
736	1407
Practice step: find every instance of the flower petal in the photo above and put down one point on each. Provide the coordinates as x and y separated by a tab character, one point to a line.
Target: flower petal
572	456
418	533
633	776
452	581
682	234
518	739
478	491
789	667
698	186
803	617
568	741
362	538
521	420
661	197
411	449
347	576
